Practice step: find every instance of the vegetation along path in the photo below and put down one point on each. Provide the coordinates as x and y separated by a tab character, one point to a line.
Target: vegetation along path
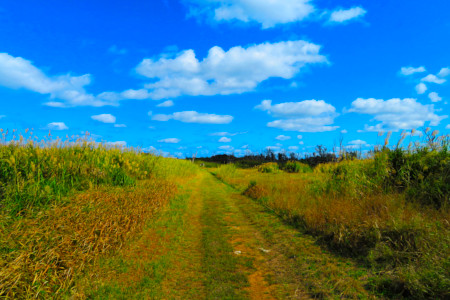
214	243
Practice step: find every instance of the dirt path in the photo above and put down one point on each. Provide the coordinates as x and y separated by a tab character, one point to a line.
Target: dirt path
214	243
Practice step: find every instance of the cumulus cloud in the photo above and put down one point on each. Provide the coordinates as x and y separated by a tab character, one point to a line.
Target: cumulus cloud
305	124
293	148
168	103
433	79
303	116
227	147
56	126
302	108
444	72
344	131
117	144
434	97
421	88
447	127
120	125
227	133
357	142
114	97
169	141
104	118
344	15
64	90
411	70
224	140
235	71
395	114
194	117
266	13
283	138
19	73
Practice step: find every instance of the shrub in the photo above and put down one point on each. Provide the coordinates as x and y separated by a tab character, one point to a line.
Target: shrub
268	168
424	175
297	167
354	178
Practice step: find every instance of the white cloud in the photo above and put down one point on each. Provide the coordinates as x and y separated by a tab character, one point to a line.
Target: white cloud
344	15
304	116
224	140
434	97
410	70
114	97
56	126
444	72
168	103
227	147
433	78
301	143
227	133
421	88
283	137
293	148
447	127
64	90
415	133
235	71
292	109
170	141
120	125
117	144
358	142
395	114
194	117
299	136
104	118
267	13
344	131
19	73
150	149
307	124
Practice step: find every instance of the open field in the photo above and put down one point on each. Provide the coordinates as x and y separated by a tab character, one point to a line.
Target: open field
87	221
64	204
389	212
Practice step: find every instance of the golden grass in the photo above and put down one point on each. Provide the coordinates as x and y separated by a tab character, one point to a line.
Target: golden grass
352	214
46	251
63	204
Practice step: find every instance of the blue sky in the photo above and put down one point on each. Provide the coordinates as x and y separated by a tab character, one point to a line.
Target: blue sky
224	76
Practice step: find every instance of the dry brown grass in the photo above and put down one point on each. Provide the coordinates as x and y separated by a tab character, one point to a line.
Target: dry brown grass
43	253
403	241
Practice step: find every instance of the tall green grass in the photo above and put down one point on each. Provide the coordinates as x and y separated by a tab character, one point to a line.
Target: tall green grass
37	174
63	204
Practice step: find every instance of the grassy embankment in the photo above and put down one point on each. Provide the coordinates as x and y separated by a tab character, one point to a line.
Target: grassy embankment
390	211
64	204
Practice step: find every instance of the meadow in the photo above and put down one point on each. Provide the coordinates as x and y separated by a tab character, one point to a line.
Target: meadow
65	203
388	211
